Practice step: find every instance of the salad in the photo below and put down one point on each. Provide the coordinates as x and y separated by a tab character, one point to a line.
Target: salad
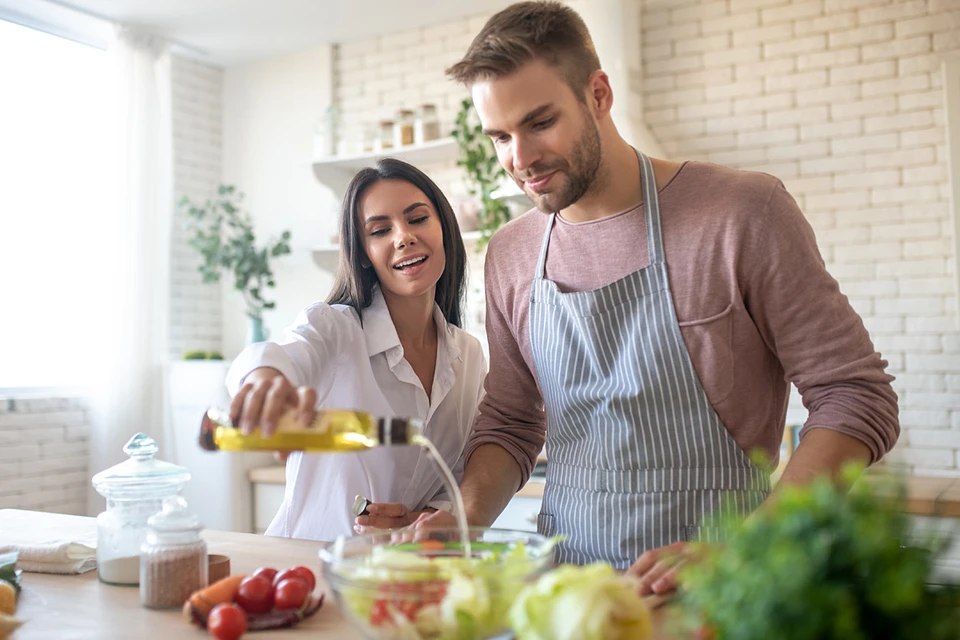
428	591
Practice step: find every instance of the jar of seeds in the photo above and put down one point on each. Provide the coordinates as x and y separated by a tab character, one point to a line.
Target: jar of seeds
173	559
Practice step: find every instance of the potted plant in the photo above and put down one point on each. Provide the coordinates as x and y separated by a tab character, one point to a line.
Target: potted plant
223	234
817	563
482	173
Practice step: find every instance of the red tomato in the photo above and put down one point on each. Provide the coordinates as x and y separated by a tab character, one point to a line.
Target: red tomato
291	594
255	595
307	575
288	574
227	622
409	608
266	572
379	613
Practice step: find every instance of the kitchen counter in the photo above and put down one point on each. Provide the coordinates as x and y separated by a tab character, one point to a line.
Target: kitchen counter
60	607
926	496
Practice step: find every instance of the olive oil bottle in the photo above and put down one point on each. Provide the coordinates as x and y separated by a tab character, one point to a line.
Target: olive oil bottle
332	430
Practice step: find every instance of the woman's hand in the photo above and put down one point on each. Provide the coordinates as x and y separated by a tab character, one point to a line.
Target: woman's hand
265	395
386	515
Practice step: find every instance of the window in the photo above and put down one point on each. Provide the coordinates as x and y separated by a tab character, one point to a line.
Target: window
951	92
57	187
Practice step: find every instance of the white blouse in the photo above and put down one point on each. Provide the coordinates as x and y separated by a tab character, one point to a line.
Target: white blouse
354	366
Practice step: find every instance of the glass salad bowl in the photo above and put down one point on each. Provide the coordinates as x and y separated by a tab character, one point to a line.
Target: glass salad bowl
422	589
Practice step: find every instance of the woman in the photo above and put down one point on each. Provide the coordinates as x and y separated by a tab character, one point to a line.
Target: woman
388	341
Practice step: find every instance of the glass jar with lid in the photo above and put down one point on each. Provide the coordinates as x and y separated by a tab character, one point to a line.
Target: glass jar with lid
403	129
384	138
173	558
426	127
135	490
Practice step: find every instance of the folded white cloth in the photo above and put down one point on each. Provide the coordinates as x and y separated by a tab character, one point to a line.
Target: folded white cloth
55	556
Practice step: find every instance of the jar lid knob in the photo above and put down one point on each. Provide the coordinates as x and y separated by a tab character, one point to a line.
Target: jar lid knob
141	447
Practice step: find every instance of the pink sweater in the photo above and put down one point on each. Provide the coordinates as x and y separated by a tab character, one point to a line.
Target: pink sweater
756	306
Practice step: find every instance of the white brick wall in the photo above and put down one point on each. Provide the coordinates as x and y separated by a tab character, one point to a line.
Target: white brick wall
43	454
845	96
194	307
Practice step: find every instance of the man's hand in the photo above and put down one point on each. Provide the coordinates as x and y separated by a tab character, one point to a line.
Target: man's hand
657	568
387	515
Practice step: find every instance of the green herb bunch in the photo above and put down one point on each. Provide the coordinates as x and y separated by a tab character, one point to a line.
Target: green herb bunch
223	234
820	563
482	171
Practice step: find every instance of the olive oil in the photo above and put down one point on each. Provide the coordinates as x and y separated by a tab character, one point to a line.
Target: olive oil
332	430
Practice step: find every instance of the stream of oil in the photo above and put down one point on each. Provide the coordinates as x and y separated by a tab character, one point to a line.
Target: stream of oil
450	482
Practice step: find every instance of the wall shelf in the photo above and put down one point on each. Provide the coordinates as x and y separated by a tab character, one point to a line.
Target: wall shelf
337	171
326	256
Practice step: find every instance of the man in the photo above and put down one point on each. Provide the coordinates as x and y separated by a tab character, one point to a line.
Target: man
646	321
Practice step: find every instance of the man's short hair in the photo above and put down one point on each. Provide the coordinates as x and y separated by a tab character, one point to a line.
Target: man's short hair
528	31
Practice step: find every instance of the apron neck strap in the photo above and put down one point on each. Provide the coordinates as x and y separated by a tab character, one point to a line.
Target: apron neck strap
651	206
542	260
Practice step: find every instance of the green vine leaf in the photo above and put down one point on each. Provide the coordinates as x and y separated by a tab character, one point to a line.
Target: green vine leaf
223	235
482	173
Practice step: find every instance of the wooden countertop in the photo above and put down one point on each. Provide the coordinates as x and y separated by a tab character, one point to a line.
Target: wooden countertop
75	607
926	496
67	607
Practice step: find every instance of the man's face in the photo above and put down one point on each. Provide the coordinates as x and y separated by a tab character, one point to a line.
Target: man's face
545	138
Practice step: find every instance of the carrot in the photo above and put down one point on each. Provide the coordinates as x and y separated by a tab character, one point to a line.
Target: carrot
432	545
198	605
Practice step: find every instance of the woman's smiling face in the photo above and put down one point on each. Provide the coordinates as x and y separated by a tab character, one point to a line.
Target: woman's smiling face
402	237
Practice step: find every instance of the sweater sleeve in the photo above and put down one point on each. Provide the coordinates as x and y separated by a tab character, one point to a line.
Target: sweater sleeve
511	413
820	340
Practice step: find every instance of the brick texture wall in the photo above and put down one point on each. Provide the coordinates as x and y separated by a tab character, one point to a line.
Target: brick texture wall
43	454
195	314
843	100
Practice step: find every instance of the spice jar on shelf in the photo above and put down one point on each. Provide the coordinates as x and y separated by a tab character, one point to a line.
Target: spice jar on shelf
403	129
384	138
426	126
173	559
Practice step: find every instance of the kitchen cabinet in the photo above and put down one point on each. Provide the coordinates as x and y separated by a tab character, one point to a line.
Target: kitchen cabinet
520	514
268	484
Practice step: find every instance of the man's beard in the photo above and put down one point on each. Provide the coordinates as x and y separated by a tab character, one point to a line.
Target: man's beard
581	172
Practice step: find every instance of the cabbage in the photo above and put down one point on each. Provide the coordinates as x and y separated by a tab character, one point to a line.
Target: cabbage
581	603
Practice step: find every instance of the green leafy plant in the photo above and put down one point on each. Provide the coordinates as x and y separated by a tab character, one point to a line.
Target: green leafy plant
821	563
203	355
223	234
482	173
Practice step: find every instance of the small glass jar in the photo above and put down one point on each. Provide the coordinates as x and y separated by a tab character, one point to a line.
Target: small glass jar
426	126
135	490
173	559
403	129
325	135
367	141
384	139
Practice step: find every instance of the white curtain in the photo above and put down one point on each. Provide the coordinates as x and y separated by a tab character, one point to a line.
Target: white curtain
129	397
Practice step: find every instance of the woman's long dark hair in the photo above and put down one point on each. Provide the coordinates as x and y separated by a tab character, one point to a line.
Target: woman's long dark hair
353	284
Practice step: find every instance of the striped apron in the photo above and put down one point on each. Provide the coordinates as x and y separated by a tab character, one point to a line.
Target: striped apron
638	458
